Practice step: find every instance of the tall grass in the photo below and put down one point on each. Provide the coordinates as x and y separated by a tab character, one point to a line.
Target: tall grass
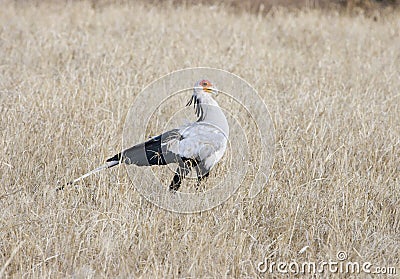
68	74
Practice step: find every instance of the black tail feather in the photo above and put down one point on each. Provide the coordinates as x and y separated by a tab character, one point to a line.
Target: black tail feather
116	158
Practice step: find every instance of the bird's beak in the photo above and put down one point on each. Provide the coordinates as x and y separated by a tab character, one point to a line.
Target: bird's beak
211	90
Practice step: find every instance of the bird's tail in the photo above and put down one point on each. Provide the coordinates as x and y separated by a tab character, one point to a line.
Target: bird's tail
111	162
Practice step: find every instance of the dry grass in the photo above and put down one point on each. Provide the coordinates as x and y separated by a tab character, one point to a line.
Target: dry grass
370	7
68	74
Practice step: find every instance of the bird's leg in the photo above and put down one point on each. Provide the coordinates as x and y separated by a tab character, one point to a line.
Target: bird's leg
176	181
180	174
201	174
200	179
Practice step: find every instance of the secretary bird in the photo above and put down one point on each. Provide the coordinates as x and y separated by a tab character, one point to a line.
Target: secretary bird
199	145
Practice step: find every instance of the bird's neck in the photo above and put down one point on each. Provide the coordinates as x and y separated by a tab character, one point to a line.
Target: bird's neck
213	114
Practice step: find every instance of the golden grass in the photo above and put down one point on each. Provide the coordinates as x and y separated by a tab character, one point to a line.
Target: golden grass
68	74
369	7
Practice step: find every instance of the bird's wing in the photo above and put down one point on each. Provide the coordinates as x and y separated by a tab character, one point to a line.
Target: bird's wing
152	152
199	141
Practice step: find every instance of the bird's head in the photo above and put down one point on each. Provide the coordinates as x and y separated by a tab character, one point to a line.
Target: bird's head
202	91
204	87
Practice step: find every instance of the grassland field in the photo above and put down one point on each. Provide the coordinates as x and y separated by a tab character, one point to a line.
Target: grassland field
69	72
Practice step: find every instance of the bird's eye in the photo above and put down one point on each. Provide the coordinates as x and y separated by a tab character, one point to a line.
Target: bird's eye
205	83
